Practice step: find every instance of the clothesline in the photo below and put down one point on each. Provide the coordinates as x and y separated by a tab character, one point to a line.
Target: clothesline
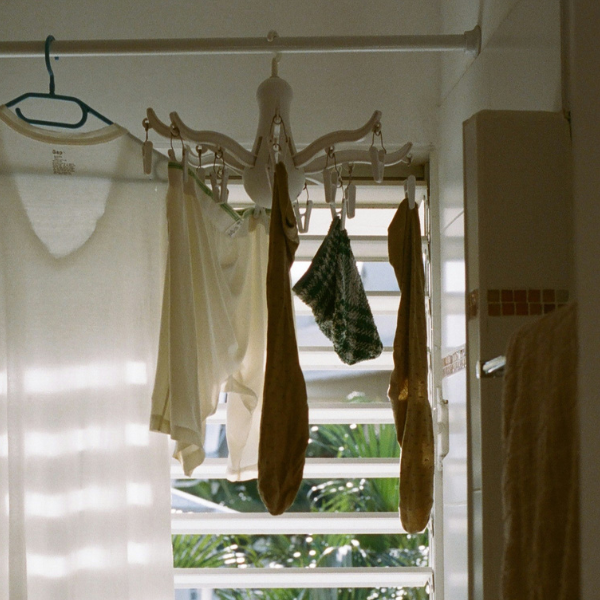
469	41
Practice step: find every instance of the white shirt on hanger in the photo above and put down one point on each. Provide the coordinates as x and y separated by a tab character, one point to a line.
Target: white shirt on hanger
84	486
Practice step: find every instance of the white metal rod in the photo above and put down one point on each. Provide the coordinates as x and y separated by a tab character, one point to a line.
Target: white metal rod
368	248
325	359
327	413
314	468
287	524
467	42
380	305
358	577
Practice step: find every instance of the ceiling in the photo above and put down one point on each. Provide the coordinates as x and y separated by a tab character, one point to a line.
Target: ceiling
333	91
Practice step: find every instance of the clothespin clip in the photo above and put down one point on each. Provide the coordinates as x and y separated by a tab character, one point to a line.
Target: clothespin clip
377	156
200	170
220	192
410	189
377	163
174	131
350	200
224	195
147	149
303	219
214	184
330	182
343	213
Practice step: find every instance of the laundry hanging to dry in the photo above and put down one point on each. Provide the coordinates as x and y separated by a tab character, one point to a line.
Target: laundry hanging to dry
408	382
216	274
333	289
540	489
284	421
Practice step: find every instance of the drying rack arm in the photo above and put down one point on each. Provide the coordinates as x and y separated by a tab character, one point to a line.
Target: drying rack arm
214	146
156	124
228	159
336	137
358	157
214	139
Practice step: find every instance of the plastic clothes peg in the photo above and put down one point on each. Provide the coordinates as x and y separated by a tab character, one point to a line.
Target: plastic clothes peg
224	195
214	184
377	163
344	213
147	149
201	173
410	190
303	218
350	198
330	181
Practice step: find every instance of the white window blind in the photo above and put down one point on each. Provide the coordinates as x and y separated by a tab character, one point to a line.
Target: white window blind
345	401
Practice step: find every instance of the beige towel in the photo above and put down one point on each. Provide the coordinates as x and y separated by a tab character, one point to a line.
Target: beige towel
408	383
284	421
540	486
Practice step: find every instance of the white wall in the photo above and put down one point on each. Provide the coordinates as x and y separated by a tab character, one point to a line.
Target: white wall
518	69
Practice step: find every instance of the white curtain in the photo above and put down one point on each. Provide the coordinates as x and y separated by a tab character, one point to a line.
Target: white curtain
84	485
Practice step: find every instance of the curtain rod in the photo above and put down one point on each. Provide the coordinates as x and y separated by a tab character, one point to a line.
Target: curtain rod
470	42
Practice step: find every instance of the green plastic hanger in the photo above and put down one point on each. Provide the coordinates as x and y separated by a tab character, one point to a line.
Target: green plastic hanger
85	109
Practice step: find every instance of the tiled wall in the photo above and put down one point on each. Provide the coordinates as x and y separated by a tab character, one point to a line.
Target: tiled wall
524	302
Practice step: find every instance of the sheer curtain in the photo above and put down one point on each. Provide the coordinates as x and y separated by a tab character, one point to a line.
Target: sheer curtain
84	485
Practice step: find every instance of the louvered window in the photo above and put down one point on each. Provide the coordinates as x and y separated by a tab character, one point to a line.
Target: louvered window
342	538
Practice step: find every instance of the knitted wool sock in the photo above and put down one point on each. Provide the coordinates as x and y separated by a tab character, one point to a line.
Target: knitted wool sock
333	289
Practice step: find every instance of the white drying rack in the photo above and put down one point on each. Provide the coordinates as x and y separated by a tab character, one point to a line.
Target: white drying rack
274	141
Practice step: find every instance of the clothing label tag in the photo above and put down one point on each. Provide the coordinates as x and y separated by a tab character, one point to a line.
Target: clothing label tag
60	166
233	229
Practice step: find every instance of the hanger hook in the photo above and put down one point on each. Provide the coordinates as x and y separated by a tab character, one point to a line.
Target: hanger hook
275	64
49	41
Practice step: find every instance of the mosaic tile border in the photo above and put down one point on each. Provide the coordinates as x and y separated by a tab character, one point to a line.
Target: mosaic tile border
524	302
455	362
